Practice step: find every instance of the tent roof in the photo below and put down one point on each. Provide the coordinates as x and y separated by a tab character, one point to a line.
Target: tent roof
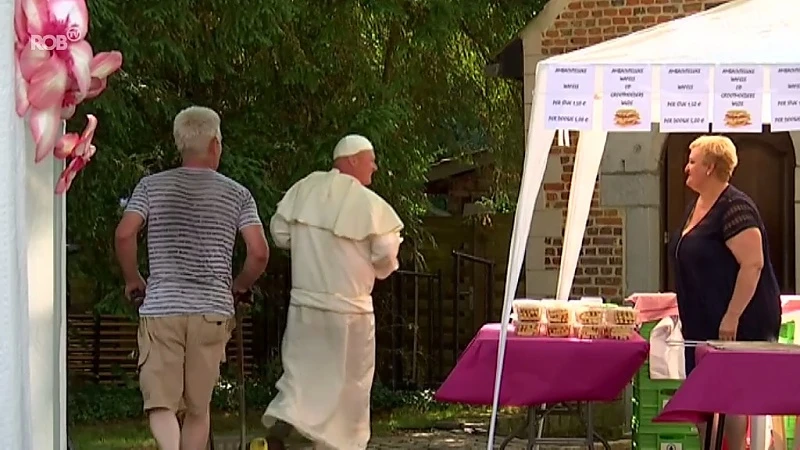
738	32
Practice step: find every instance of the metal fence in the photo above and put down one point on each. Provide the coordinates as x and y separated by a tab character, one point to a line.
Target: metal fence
422	326
409	311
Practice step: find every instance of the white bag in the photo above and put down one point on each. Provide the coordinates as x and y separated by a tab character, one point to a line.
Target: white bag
666	358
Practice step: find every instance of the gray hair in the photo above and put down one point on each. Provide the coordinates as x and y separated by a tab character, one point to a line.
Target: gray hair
194	128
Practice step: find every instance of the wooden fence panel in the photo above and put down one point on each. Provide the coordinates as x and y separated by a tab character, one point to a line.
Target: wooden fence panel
104	348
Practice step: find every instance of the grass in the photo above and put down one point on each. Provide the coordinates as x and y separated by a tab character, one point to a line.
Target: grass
407	419
112	436
135	435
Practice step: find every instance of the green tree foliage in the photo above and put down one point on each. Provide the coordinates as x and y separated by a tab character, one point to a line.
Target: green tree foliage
289	78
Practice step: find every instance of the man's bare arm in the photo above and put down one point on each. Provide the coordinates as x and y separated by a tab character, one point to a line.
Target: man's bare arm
257	257
125	245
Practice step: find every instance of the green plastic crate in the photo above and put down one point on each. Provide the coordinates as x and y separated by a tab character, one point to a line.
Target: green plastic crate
642	381
647	328
786	335
642	427
649	404
649	399
643	424
789	423
666	441
655	398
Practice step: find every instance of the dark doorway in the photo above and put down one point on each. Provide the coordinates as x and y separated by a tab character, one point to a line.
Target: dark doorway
765	173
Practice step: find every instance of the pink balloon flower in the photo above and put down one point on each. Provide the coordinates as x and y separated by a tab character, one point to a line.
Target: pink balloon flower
56	70
78	150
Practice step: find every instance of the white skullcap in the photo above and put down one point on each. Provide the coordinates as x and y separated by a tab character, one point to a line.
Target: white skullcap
350	145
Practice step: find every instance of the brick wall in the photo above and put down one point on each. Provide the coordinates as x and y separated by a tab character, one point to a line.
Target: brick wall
588	22
599	270
584	23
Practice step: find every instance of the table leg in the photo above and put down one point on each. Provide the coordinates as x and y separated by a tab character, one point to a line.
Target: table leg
720	430
533	428
589	425
587	420
715	429
537	414
523	429
709	432
511	437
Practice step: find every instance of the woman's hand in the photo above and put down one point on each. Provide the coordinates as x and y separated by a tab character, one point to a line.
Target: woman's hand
728	327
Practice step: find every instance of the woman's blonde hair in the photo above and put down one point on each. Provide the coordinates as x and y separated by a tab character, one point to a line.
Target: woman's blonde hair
718	151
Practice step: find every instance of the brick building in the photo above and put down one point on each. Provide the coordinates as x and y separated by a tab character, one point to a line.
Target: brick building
640	193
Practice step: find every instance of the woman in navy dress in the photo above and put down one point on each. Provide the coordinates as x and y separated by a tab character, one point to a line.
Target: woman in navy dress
726	286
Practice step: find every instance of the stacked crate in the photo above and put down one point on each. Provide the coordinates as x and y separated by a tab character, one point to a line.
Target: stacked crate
649	399
787	337
651	396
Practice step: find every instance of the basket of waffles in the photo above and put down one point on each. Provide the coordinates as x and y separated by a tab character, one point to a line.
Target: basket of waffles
559	316
589	320
620	322
597	320
549	318
580	319
528	315
604	321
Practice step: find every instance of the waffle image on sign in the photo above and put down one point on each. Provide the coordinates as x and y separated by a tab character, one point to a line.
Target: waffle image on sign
627	117
737	118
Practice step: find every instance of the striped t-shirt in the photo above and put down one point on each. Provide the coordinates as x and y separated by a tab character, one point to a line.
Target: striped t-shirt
192	218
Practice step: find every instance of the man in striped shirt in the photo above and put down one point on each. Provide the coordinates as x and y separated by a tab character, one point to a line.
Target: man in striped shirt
192	214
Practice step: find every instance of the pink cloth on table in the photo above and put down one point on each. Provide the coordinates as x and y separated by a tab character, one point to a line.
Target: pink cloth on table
737	382
790	303
542	370
654	307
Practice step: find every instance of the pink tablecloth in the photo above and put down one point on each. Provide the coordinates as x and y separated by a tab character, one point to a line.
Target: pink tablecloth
542	370
790	303
737	382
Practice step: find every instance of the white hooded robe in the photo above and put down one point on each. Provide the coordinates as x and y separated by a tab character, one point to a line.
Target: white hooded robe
342	236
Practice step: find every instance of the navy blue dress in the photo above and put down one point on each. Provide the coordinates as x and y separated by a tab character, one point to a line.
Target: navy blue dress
706	270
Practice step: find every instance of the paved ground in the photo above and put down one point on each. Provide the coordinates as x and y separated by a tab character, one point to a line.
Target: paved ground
435	440
447	440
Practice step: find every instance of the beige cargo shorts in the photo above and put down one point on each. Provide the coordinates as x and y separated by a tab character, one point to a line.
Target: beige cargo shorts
179	360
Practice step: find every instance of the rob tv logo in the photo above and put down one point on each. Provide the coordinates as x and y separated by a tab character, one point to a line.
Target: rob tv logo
55	42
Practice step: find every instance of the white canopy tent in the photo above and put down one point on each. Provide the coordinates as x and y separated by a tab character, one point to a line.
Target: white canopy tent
33	369
744	32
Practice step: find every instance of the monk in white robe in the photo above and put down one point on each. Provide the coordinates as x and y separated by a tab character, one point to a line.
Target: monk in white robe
342	237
